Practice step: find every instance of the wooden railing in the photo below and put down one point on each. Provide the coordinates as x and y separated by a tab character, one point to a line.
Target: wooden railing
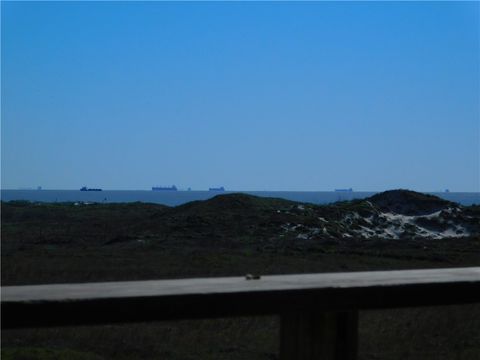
319	312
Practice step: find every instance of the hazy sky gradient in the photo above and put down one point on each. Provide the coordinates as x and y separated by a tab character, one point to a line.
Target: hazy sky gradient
251	96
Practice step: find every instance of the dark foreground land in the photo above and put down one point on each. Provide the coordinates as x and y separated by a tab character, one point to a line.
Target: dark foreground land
236	235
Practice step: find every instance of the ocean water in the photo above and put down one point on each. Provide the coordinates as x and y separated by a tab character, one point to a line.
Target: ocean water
174	198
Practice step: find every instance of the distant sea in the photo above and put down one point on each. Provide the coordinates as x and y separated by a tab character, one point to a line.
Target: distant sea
173	198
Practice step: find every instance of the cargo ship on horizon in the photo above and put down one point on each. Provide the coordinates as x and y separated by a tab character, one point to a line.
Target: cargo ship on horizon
164	188
84	188
221	188
344	190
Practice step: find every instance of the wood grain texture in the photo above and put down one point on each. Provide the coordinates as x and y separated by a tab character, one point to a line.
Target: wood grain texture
97	303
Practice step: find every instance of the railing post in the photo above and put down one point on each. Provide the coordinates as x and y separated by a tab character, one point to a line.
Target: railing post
319	335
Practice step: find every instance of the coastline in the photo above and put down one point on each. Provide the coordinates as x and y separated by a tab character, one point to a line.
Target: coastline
175	198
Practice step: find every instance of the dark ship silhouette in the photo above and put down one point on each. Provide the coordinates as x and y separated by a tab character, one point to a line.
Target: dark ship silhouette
164	188
88	189
344	190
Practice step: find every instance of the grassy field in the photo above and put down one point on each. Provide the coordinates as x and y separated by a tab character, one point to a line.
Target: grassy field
55	243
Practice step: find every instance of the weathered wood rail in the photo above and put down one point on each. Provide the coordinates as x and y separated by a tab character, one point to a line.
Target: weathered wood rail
319	312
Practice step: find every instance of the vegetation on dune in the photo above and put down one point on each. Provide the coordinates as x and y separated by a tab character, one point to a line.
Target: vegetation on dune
408	202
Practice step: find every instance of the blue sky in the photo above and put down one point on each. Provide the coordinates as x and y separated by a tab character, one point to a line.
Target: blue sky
251	96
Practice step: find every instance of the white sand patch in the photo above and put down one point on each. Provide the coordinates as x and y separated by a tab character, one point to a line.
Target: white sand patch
397	217
350	217
459	231
398	224
434	215
365	232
